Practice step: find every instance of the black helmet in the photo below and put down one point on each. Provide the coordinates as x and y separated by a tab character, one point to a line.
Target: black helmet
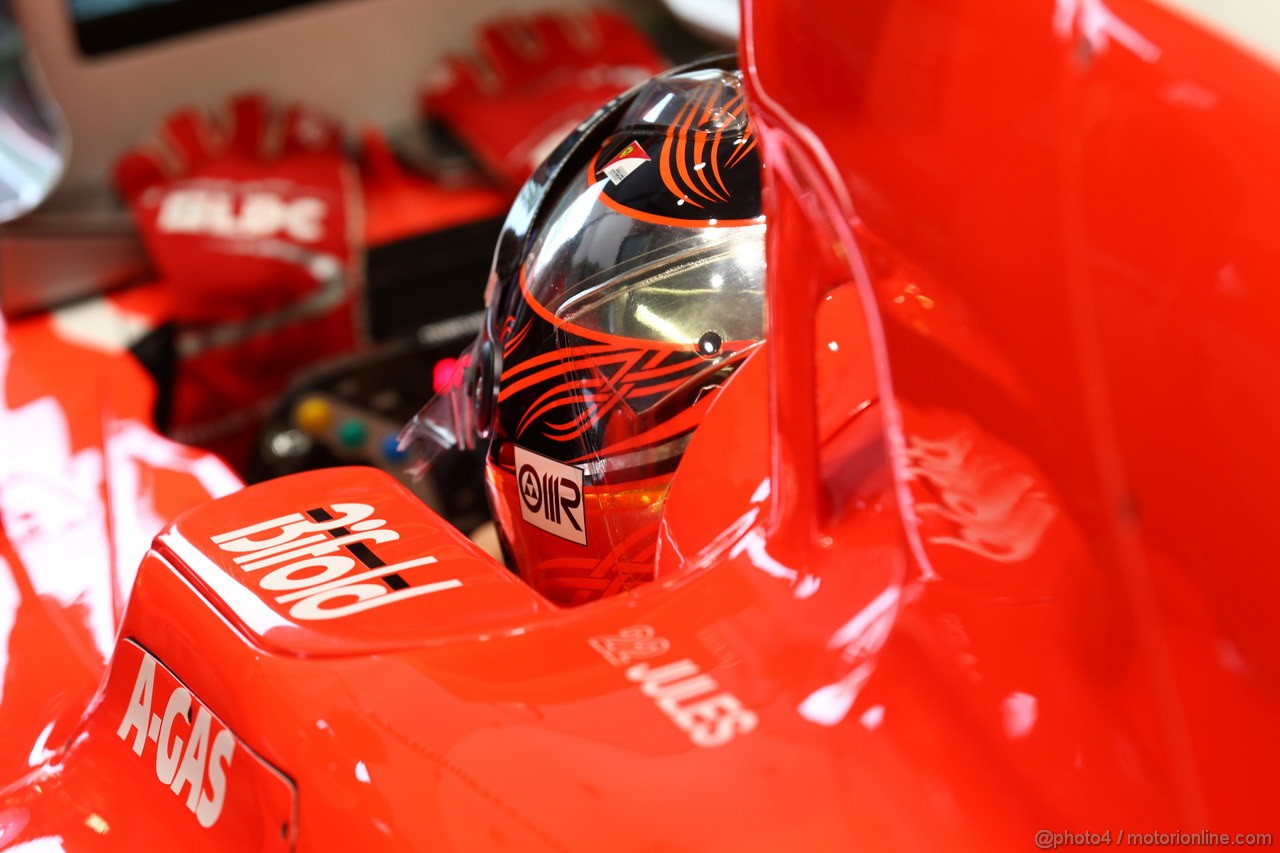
628	285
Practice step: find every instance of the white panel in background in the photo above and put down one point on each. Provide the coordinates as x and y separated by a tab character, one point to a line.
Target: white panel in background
1253	25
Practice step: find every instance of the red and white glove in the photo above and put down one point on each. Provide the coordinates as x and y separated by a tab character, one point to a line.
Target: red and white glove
246	215
533	81
250	223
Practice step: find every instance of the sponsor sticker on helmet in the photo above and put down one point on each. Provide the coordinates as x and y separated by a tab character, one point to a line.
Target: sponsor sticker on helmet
627	161
551	495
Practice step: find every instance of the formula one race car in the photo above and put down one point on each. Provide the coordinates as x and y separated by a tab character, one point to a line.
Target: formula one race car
876	430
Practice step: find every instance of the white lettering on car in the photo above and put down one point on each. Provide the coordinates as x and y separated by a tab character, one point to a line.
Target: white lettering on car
308	562
630	644
192	754
689	697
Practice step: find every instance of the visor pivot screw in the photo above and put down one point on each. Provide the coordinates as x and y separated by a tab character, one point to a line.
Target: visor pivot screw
709	344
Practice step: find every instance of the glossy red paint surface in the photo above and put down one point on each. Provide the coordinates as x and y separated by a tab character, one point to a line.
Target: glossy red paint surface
1065	213
84	484
976	546
199	766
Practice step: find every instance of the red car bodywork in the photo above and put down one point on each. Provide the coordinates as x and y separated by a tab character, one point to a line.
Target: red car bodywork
976	547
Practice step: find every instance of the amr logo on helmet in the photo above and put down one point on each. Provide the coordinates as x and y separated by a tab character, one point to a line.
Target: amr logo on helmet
551	495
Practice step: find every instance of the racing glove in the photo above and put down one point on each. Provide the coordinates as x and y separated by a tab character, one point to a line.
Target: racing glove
247	215
533	81
250	224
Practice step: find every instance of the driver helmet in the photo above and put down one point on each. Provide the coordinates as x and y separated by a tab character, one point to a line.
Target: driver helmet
627	286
